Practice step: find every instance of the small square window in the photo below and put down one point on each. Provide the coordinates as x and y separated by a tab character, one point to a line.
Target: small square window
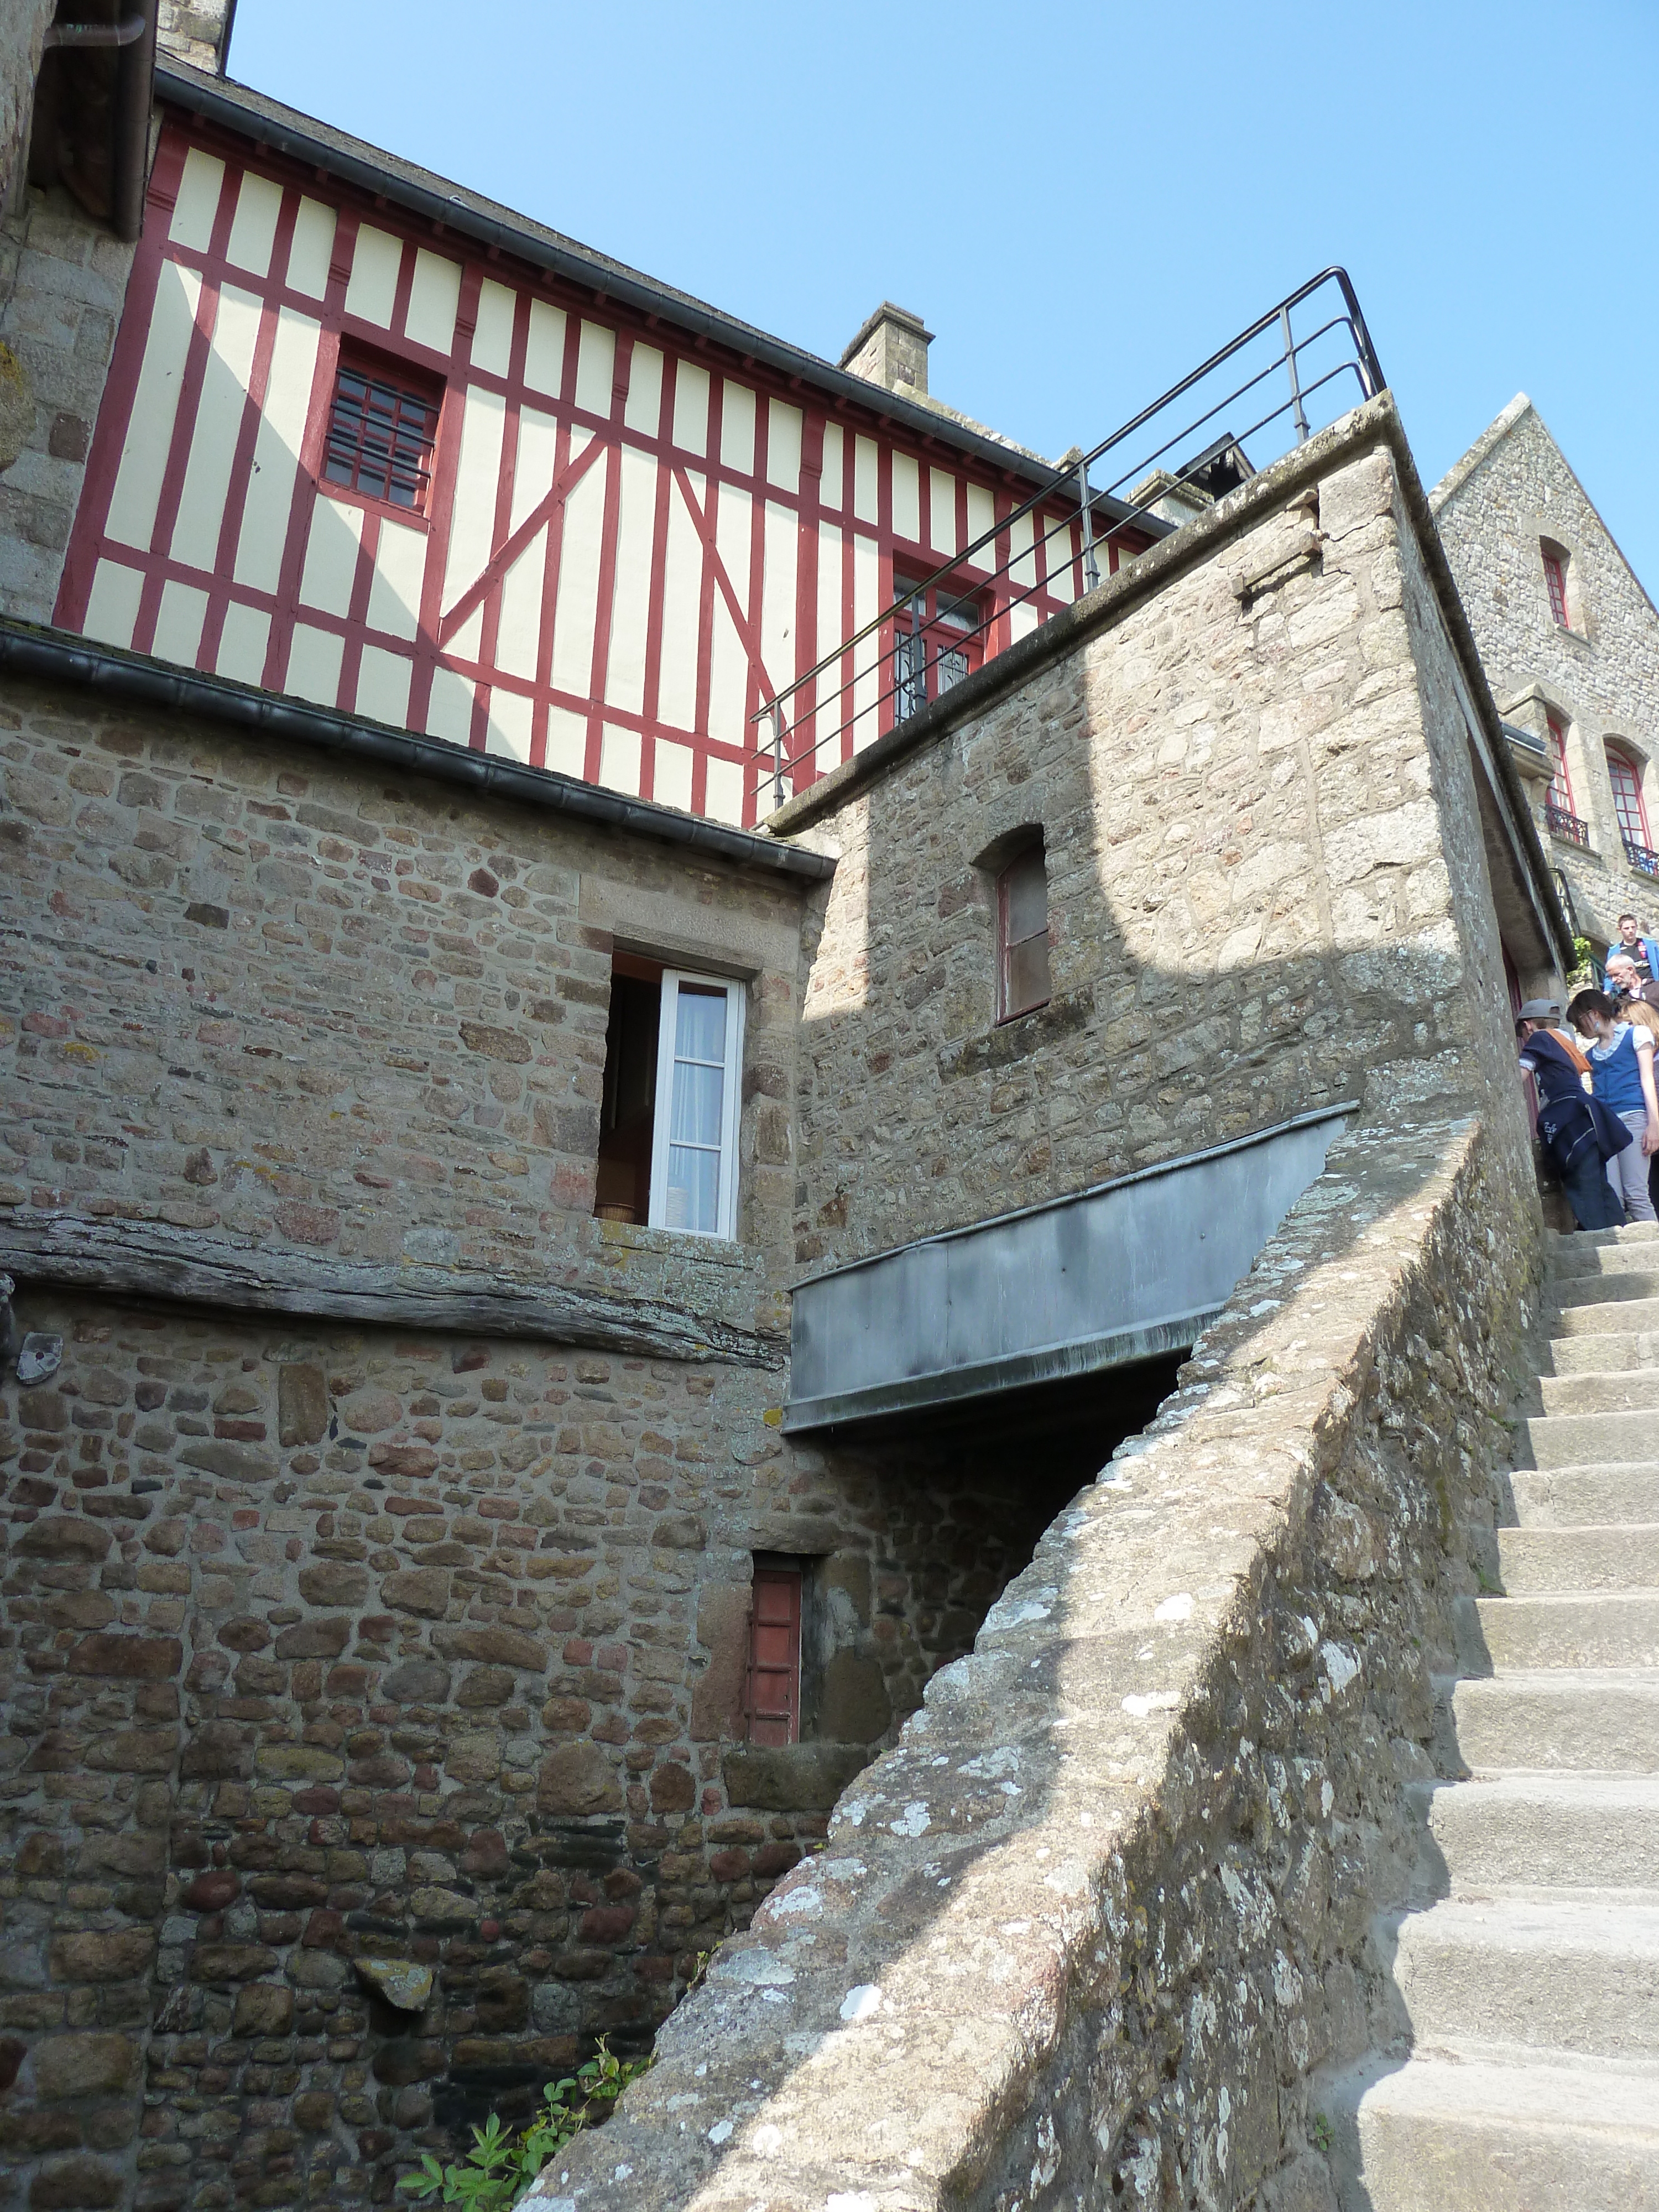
672	1100
1023	979
381	429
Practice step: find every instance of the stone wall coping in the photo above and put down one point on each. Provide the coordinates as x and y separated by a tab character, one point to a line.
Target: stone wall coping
56	656
1376	421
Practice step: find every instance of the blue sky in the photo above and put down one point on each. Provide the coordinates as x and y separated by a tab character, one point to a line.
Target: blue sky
1083	202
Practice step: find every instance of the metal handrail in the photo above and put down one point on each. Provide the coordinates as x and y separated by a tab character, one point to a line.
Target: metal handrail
1072	479
1641	856
1561	823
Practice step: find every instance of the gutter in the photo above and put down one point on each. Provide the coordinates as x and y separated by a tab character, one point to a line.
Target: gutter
300	139
129	679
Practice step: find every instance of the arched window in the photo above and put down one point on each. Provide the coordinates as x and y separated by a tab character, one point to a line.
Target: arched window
1556	563
1627	804
1022	982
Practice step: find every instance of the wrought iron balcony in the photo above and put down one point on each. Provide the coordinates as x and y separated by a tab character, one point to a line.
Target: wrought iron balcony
1641	856
1563	824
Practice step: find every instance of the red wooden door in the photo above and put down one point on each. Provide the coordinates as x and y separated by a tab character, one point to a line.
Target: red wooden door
773	1689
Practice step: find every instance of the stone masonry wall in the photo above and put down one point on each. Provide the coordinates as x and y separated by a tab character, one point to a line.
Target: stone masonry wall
1254	805
1601	677
278	1001
1091	1932
319	1646
62	280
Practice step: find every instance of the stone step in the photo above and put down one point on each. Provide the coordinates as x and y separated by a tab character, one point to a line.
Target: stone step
1629	1285
1564	1560
1460	2130
1621	1316
1608	1628
1602	1720
1578	1974
1573	1830
1599	1391
1599	1351
1592	1439
1575	1261
1585	1497
1557	1241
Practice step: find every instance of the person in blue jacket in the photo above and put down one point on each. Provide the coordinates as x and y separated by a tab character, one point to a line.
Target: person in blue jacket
1567	1124
1621	1078
1634	945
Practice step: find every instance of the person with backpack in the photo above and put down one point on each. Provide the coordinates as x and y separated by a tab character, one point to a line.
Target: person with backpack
1574	1133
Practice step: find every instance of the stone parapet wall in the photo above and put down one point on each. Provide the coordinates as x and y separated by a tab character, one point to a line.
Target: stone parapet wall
320	1646
1266	838
1091	1930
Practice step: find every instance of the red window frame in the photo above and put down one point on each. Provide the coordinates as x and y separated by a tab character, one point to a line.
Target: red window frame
952	627
1024	982
381	432
771	1690
1560	790
1626	780
1555	579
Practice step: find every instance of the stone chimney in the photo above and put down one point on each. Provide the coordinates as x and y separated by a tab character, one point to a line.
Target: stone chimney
197	31
891	349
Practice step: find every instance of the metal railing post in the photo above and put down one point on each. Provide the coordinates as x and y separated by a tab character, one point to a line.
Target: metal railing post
1296	387
777	755
1090	565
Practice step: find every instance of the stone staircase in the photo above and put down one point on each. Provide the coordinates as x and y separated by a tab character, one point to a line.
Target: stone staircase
1527	1969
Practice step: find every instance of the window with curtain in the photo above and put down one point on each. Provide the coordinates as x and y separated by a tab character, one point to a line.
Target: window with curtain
693	1152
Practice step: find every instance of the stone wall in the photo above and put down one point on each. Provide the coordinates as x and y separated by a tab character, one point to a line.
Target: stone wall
1091	1931
1253	771
22	42
282	1005
1601	677
322	1646
62	279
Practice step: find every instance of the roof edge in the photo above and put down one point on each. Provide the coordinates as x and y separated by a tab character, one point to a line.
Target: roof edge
44	655
1492	437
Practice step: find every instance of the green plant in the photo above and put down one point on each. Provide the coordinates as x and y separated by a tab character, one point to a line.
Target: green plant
1581	958
1319	2132
500	2166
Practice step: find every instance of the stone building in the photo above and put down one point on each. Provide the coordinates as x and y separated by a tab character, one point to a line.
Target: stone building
1569	640
545	1319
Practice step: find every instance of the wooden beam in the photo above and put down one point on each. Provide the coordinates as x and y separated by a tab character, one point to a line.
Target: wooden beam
149	1260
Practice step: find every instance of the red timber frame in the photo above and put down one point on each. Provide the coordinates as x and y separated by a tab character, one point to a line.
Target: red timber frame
437	643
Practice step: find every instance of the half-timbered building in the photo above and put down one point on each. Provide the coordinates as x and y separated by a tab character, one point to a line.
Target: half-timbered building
373	441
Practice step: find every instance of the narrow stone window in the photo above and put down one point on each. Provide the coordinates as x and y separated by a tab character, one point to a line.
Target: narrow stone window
672	1099
1022	982
1556	561
382	427
771	1695
1626	779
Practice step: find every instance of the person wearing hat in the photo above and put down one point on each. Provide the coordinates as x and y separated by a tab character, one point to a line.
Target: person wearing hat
1578	1137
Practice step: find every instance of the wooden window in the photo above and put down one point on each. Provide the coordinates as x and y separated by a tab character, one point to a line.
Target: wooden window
1555	577
1627	799
1022	935
938	637
772	1683
693	1149
671	1101
382	428
1560	791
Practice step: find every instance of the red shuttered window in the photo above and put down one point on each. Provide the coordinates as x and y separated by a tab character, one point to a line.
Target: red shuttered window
382	428
772	1689
1022	935
1627	799
1555	576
